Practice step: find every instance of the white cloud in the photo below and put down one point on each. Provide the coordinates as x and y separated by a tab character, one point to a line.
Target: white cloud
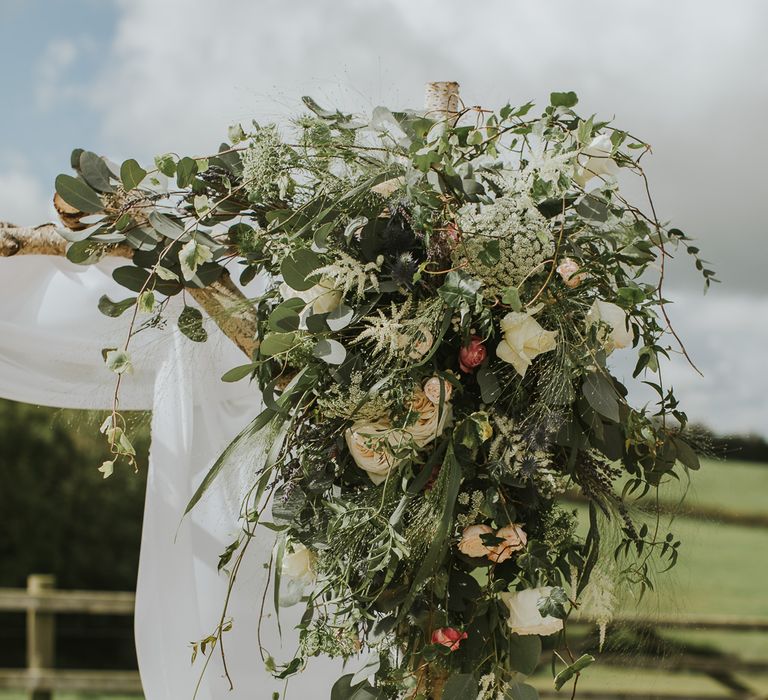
727	337
23	200
56	59
685	75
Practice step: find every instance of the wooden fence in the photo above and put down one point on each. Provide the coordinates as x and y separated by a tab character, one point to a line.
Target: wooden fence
42	602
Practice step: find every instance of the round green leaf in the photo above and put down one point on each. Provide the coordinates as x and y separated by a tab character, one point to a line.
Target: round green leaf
78	194
131	174
276	343
114	308
95	172
285	317
330	351
191	324
297	269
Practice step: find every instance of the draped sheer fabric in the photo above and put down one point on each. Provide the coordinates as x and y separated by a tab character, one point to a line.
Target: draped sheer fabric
51	336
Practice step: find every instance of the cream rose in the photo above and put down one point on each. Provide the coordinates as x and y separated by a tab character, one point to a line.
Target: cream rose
418	344
515	540
430	420
621	334
471	542
598	160
297	573
432	389
320	299
523	340
524	616
371	445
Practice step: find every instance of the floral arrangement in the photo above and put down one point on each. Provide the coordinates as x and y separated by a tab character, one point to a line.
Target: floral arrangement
443	293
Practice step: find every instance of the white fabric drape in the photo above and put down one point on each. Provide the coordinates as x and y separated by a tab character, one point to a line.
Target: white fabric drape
51	335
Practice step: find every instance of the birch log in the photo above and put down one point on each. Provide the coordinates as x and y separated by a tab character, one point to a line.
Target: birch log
222	300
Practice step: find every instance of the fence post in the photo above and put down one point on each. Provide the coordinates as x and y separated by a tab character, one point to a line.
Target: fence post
41	634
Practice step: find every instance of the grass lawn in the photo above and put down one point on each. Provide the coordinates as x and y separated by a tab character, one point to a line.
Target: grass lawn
722	570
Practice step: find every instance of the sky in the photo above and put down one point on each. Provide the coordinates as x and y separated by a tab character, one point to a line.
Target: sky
132	78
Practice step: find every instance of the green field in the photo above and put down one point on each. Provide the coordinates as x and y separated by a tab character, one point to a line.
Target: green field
723	570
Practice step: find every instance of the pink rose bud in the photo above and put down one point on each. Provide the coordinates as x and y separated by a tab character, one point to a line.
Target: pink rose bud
448	637
473	355
567	270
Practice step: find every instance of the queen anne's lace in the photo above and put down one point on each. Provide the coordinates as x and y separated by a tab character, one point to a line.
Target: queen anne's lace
521	232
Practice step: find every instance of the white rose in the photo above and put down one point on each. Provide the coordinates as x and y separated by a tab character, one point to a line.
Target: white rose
524	616
598	160
297	573
322	298
371	445
523	339
430	419
621	334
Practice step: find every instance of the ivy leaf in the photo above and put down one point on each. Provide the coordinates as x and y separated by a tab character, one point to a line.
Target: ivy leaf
554	604
202	205
459	288
113	309
490	389
490	253
191	255
78	194
191	324
107	468
131	174
118	361
601	395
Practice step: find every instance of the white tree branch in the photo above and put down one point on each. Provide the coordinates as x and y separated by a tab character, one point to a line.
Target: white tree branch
223	301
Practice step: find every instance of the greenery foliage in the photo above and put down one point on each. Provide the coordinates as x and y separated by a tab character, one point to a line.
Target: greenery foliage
442	298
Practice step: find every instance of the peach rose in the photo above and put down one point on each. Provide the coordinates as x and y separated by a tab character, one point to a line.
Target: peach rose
515	540
568	270
471	542
371	445
432	389
430	419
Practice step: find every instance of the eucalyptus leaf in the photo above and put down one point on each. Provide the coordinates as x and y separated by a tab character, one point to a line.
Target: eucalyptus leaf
460	687
113	309
95	172
131	174
601	395
237	373
191	324
78	194
330	351
297	269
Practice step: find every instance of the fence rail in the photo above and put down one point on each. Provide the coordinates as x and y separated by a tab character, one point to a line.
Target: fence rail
42	602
